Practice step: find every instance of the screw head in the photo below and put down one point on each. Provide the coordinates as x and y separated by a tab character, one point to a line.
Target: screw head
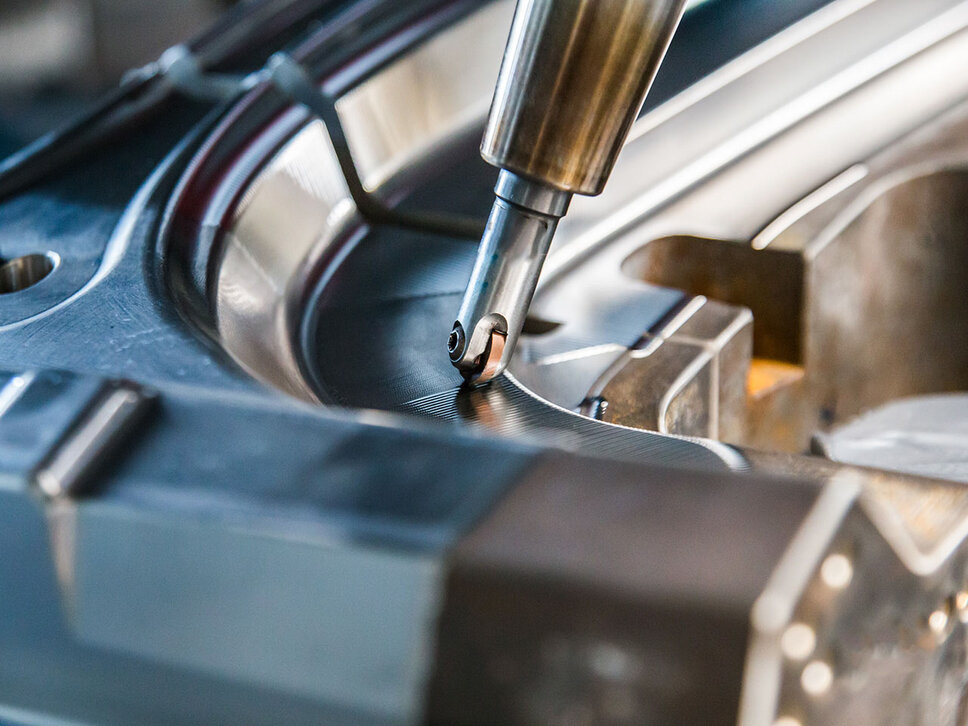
455	342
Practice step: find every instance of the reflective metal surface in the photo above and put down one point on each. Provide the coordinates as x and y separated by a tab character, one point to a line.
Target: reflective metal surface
244	557
632	325
241	557
719	237
259	303
814	92
686	377
232	562
265	296
921	435
887	247
672	140
573	79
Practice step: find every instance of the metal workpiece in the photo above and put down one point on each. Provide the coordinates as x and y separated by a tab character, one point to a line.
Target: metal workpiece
273	325
512	251
618	259
856	578
687	377
542	619
573	78
353	578
110	592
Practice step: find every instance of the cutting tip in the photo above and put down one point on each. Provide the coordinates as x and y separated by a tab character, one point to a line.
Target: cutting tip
489	364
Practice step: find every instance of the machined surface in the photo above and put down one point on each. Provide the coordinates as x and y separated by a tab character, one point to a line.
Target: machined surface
293	316
231	556
603	594
920	435
249	558
817	89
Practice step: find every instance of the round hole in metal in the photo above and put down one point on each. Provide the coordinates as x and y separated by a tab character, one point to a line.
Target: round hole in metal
23	272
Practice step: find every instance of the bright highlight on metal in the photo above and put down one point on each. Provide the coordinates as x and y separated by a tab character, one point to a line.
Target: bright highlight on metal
938	621
961	605
798	641
817	678
836	571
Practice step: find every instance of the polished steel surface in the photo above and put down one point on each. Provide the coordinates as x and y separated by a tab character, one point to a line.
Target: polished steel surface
108	423
820	94
244	558
427	101
574	76
920	435
740	226
688	377
857	297
261	286
439	91
300	197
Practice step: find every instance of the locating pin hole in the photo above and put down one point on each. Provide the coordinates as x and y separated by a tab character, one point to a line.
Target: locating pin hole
20	273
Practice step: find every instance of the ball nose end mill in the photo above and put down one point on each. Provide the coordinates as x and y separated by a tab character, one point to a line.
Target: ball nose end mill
573	78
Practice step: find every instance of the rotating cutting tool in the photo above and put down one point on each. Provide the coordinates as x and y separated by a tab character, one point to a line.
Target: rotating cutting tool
573	78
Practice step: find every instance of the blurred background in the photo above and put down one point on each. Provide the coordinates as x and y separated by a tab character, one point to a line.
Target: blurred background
57	55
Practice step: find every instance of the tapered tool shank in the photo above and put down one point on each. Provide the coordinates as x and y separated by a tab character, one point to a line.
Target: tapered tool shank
574	76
